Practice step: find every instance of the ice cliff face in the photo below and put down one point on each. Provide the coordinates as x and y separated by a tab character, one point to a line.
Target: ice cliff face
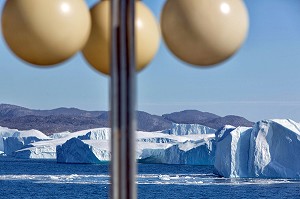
189	129
96	134
270	149
59	135
229	141
5	132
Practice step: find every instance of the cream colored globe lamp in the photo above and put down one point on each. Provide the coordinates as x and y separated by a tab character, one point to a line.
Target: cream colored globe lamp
45	32
97	49
204	32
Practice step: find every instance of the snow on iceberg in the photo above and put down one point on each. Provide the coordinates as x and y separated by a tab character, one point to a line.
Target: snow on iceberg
271	149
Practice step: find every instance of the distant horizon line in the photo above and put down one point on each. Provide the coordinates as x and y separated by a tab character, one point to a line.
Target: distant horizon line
81	109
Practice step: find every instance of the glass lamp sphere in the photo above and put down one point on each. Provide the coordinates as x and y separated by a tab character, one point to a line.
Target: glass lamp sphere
204	32
46	32
97	49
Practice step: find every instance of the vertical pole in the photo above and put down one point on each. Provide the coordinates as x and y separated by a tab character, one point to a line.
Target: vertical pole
123	96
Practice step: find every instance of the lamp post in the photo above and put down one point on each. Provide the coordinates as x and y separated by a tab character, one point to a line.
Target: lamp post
123	96
200	32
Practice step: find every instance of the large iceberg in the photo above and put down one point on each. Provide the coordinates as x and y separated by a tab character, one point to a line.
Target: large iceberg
183	144
152	147
6	132
200	152
271	149
178	145
46	149
13	139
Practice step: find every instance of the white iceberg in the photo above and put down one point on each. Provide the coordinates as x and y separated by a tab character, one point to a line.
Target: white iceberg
152	147
14	139
200	152
46	149
6	132
196	146
271	149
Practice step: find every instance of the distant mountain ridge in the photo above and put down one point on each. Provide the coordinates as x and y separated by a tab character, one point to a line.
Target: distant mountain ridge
7	110
190	116
73	119
206	119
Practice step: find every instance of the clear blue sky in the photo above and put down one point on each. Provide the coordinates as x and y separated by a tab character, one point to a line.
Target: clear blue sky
261	81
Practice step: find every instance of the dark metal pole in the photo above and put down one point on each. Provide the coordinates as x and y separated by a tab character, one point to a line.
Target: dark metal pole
123	96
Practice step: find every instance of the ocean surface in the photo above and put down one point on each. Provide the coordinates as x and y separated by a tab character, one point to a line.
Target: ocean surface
47	179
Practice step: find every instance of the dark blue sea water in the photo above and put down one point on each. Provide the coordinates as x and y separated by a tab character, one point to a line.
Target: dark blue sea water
47	179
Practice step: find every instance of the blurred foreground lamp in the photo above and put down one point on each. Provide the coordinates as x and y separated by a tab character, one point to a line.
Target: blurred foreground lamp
45	32
204	32
97	49
199	32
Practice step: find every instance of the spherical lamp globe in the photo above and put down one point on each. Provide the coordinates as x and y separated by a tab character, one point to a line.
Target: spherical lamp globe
204	32
45	32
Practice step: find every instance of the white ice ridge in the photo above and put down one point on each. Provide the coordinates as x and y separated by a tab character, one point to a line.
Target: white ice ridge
92	146
152	147
59	135
189	129
271	149
46	149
